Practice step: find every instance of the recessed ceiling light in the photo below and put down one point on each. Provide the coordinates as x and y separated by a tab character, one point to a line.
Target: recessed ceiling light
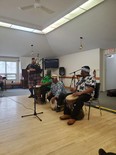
5	24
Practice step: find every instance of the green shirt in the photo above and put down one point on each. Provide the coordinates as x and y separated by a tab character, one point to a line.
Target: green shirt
47	79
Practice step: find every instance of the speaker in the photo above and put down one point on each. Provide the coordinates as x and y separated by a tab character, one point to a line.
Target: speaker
62	71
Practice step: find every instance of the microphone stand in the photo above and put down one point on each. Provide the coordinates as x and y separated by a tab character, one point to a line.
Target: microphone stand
35	100
73	77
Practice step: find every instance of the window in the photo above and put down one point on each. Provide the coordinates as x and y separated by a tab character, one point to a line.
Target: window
8	69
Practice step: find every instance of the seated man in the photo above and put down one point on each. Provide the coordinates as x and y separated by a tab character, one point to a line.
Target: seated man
45	85
57	92
84	89
1	82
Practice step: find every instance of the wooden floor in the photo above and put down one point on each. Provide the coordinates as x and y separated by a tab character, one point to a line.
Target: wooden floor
29	136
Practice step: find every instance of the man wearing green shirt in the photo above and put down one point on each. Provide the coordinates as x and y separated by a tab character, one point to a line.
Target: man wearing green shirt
45	85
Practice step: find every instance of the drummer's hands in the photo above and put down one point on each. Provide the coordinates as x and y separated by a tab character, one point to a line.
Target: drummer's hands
53	99
72	89
49	93
77	94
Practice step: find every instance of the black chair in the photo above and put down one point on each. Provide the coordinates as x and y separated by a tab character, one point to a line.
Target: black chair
94	99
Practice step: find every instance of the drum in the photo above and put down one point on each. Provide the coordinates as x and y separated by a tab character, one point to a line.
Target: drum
53	105
70	99
37	90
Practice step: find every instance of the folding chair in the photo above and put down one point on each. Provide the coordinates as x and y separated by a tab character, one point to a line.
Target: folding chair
94	99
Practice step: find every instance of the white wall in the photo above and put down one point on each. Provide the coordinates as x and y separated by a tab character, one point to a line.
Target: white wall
75	61
111	72
24	61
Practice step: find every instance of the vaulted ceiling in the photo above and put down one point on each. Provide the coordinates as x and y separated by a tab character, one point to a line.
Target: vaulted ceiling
97	27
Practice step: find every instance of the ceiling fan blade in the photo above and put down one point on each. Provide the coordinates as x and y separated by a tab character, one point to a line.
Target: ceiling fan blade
47	10
27	7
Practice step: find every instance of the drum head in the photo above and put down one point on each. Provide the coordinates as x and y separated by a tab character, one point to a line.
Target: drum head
53	105
70	99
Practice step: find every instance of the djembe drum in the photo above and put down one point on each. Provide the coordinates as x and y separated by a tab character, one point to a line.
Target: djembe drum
53	104
70	99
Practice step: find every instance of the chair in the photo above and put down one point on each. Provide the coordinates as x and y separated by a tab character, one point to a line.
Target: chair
94	99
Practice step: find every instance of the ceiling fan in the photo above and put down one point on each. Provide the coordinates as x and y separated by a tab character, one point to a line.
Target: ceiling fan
37	5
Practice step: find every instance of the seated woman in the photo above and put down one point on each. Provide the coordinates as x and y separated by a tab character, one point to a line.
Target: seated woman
57	92
83	90
45	85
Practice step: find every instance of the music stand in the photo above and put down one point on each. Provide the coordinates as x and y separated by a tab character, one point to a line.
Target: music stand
35	113
73	77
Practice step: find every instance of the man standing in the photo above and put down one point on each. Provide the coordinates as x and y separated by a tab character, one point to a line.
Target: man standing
83	90
34	77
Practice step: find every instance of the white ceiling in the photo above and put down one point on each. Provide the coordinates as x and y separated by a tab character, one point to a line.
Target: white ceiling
97	27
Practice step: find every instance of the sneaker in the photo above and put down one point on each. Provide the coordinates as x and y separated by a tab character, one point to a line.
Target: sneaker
31	96
64	117
71	121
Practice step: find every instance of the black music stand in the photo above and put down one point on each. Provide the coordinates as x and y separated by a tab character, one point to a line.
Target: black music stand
35	113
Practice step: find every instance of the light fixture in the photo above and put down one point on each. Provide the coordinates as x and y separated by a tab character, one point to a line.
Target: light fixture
32	53
21	28
3	24
89	4
81	43
8	25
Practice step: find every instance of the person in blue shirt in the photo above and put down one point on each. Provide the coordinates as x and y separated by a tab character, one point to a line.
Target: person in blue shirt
57	92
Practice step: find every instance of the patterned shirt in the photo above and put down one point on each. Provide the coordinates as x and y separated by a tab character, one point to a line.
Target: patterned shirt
58	88
84	83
